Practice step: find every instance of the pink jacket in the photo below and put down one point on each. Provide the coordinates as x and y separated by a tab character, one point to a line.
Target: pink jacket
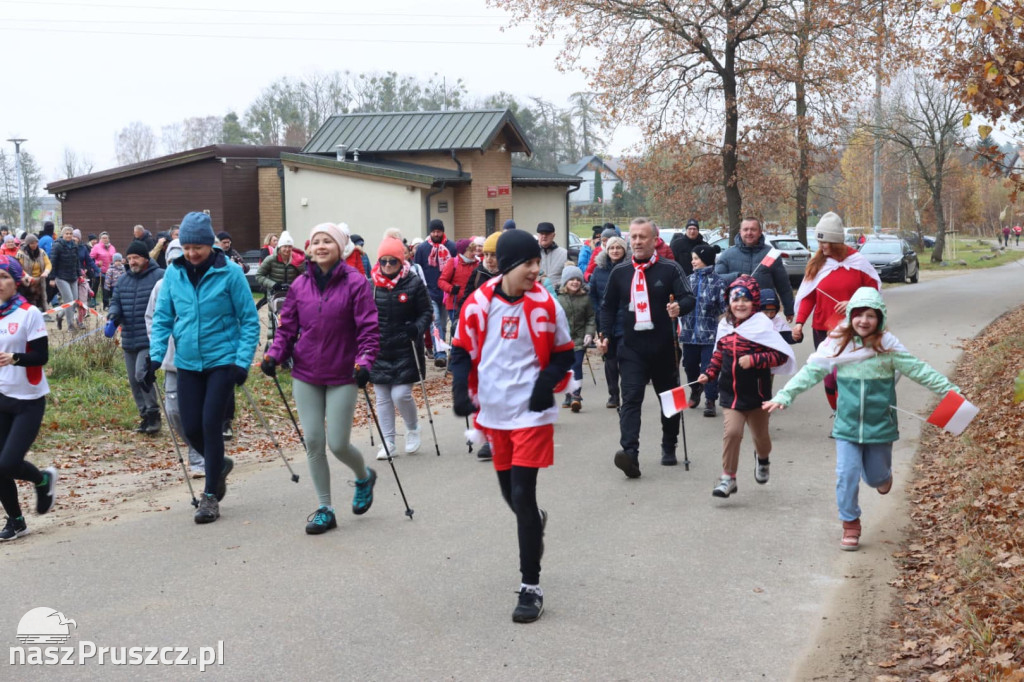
103	255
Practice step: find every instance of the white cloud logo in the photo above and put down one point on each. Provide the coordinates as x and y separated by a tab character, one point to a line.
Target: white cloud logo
44	625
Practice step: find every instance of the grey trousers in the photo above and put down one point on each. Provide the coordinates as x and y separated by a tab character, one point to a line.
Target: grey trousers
67	291
174	416
135	364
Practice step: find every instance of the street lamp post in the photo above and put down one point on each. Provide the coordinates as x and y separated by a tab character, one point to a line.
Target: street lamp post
21	191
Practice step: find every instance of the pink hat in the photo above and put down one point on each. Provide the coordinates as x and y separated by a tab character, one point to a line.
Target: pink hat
391	247
338	233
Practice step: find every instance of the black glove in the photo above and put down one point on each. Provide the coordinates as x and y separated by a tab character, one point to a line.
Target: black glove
412	331
151	367
269	366
280	286
462	404
362	377
543	396
455	292
241	374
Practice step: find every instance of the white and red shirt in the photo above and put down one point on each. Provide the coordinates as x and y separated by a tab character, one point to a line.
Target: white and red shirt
16	330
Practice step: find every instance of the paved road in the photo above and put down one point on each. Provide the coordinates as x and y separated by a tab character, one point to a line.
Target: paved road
645	579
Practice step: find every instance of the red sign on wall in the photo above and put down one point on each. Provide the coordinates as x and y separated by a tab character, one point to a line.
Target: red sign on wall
504	189
492	192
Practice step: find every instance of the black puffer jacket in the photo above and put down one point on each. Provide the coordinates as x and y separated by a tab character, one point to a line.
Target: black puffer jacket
682	247
407	302
128	305
66	265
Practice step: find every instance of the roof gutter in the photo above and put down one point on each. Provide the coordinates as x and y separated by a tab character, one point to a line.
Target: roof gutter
457	162
435	193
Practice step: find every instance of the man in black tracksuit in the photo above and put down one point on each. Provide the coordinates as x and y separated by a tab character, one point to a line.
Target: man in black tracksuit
646	354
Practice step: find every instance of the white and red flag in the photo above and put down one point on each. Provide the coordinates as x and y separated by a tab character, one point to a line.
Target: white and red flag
770	257
953	413
674	401
439	345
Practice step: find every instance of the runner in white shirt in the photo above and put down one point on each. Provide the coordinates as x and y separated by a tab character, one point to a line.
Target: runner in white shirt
511	355
23	388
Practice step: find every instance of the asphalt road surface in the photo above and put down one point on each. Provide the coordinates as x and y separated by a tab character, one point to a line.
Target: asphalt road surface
644	579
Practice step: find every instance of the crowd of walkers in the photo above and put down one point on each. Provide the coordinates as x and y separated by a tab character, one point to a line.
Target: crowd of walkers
511	319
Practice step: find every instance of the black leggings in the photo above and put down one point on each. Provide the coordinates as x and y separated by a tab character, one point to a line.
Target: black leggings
202	399
519	488
19	425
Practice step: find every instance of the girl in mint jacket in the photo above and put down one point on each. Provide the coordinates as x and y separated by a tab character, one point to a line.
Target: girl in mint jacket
866	359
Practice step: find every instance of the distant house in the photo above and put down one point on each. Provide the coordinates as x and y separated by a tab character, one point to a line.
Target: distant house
375	171
588	168
239	185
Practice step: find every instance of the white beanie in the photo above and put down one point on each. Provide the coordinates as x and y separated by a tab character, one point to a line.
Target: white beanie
285	239
174	250
830	229
339	233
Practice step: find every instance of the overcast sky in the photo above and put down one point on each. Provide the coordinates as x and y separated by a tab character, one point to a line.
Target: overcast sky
77	71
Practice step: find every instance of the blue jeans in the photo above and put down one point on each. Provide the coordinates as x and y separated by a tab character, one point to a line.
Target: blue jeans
696	357
440	323
854	461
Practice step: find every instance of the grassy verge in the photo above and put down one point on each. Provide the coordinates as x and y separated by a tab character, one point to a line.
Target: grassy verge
971	254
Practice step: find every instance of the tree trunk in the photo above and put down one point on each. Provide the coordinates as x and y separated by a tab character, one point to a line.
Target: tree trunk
733	200
940	217
803	171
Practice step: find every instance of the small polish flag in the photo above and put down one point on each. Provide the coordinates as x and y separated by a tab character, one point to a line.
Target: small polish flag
439	345
770	257
674	401
953	413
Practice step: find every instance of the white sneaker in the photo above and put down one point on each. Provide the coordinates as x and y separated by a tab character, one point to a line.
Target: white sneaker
383	454
726	486
412	440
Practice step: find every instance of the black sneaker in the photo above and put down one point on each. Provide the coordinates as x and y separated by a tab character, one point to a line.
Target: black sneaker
363	498
321	521
668	457
143	425
709	409
530	606
46	493
222	485
152	426
484	453
612	403
208	511
440	362
629	463
15	528
568	400
226	432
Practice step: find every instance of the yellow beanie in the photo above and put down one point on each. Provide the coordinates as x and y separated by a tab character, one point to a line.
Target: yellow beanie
491	243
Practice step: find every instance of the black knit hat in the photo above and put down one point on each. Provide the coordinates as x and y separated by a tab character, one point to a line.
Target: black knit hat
435	224
706	253
516	247
139	248
221	236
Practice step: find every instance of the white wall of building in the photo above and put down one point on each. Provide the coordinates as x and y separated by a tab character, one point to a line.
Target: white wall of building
585	194
532	205
368	206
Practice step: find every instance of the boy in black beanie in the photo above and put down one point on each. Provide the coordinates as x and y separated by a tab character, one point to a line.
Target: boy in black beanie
511	354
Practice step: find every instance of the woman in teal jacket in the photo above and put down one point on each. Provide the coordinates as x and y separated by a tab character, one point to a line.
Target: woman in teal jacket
866	359
206	305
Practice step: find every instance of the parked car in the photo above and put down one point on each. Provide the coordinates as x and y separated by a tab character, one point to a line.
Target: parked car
893	258
794	255
573	247
253	259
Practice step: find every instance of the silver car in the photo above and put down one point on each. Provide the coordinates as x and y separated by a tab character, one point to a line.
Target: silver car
794	255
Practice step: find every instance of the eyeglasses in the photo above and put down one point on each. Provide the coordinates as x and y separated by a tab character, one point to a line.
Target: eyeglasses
388	261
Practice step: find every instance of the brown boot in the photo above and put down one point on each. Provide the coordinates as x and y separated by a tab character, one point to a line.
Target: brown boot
851	536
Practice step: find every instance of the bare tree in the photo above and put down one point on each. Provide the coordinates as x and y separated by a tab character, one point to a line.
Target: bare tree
172	138
75	165
201	131
925	123
136	142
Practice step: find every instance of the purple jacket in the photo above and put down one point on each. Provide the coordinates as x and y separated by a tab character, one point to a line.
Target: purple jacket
338	328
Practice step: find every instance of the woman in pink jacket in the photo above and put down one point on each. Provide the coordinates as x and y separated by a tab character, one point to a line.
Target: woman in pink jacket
102	254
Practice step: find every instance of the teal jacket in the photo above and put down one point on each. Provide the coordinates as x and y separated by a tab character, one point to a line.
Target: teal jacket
214	324
867	387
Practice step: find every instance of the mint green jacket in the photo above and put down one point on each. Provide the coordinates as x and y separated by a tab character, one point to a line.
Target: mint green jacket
867	388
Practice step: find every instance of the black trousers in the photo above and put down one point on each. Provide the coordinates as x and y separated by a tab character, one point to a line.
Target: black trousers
519	488
611	367
19	426
202	399
636	370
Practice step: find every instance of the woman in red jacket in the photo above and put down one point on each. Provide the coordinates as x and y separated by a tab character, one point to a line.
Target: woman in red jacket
455	276
833	274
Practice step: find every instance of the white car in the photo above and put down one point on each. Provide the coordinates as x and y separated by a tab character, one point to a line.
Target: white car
794	255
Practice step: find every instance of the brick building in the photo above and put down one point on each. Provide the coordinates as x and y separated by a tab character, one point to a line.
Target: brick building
375	171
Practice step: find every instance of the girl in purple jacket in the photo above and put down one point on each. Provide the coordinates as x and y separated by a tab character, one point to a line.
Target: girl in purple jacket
332	304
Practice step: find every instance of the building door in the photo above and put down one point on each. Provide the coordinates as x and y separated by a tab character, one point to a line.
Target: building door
490	220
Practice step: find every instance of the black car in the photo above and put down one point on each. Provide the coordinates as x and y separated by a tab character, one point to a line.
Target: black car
893	258
253	259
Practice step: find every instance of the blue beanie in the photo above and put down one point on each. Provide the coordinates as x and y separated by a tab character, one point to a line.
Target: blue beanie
509	225
13	267
196	228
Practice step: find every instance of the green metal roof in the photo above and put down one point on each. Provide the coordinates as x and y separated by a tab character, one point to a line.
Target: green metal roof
418	131
533	176
412	172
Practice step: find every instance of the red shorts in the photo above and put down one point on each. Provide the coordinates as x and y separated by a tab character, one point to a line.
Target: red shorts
533	447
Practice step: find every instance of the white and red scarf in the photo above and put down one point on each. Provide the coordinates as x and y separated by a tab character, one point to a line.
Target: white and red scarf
638	301
383	281
760	329
541	321
439	256
854	260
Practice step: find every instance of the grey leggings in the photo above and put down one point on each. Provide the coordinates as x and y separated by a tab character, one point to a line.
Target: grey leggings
390	396
336	405
67	295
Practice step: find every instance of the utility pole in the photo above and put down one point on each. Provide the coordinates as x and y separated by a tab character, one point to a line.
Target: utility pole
877	166
21	192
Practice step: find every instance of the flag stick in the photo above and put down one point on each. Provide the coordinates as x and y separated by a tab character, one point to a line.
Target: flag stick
912	414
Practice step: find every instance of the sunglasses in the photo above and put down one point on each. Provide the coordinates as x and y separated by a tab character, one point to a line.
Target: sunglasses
388	261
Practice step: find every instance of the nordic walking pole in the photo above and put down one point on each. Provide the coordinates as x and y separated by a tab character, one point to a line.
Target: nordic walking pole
298	431
174	438
426	401
373	415
586	356
469	443
259	413
682	415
